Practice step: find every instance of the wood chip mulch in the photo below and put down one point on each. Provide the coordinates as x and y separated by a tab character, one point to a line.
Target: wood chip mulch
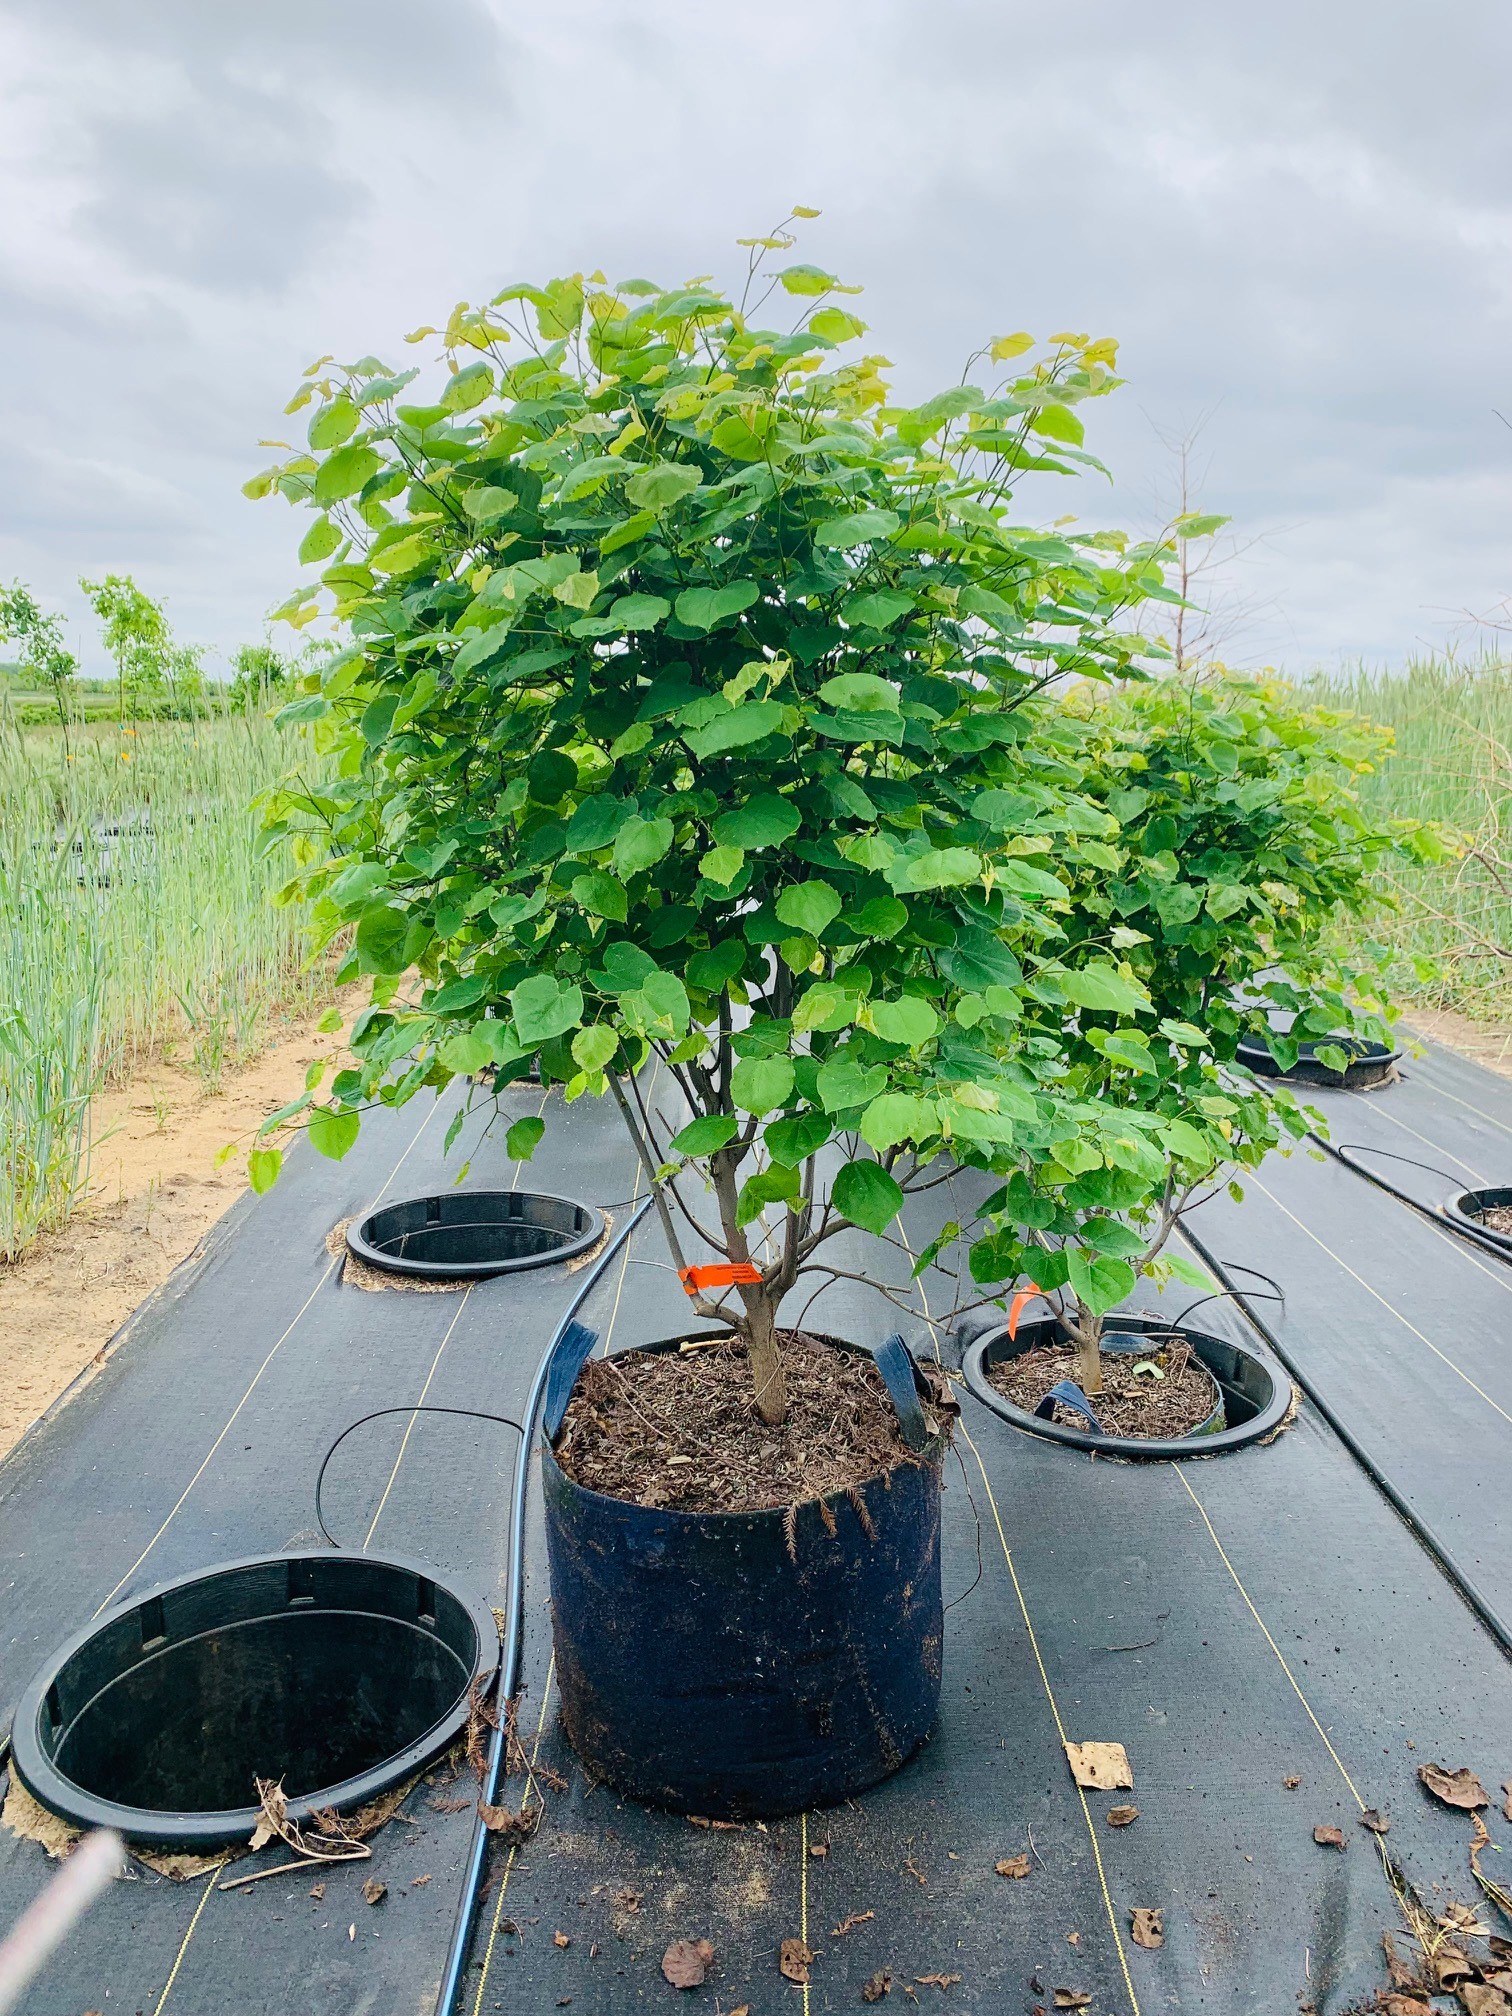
1130	1403
680	1428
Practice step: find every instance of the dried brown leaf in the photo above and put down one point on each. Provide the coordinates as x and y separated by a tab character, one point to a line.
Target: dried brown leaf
1121	1816
417	1881
1148	1924
1451	1966
1456	1788
512	1826
1329	1837
1482	2000
849	1924
1071	1998
937	1980
317	1891
1100	1767
1013	1865
686	1962
818	1849
1403	2005
1291	1783
794	1960
1377	1823
879	1985
374	1892
561	1941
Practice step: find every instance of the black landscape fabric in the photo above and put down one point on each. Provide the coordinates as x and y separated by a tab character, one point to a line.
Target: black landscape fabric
1236	1624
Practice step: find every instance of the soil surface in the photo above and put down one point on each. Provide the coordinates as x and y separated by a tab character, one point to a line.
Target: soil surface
154	1192
1131	1403
680	1428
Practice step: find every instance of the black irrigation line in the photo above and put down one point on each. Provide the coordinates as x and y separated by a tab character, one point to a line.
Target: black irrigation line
1469	1589
1346	1153
509	1665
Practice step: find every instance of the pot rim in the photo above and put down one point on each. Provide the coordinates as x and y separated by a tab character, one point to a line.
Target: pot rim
1134	1448
931	1456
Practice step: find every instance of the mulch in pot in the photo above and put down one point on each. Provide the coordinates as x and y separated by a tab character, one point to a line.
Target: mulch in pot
1135	1404
1498	1218
680	1428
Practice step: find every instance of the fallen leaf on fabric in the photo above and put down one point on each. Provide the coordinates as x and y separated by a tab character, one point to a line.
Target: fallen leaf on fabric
317	1891
351	1931
917	1874
1456	1788
878	1986
1451	1966
1404	2005
818	1849
1071	1998
937	1980
374	1892
512	1826
1376	1822
1121	1816
417	1881
1148	1926
686	1962
1329	1837
1073	1938
1013	1865
1481	2000
741	2009
1100	1767
1291	1784
561	1941
849	1924
794	1960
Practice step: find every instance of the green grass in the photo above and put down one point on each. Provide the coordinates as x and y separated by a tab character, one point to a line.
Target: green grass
114	945
1452	721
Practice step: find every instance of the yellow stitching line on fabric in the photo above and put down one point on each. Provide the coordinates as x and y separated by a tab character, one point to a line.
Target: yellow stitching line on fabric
1265	1633
409	1426
178	1960
1060	1727
1390	1307
1437	1146
803	1904
514	1846
1102	1876
257	1375
1490	1118
1462	1246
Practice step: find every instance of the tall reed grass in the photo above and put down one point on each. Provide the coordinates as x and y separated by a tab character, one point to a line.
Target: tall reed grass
135	912
1452	720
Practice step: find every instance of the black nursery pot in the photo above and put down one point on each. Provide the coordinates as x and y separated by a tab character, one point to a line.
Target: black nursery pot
1370	1064
1256	1397
338	1674
703	1668
1467	1210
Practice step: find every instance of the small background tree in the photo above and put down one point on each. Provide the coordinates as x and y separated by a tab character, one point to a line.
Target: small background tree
150	663
696	714
38	637
1238	864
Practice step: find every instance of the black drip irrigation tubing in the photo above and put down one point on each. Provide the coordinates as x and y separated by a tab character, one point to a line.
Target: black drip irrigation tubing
1346	1153
1444	1555
509	1665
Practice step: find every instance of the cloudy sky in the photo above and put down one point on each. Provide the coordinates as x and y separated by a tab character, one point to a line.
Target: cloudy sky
1298	221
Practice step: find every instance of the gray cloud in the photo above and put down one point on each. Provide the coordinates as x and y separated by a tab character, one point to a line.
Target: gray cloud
1299	225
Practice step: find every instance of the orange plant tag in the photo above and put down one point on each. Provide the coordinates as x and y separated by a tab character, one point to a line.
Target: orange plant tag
1018	1305
721	1274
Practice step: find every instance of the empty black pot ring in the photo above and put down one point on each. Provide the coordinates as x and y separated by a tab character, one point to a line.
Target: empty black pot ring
340	1674
464	1235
